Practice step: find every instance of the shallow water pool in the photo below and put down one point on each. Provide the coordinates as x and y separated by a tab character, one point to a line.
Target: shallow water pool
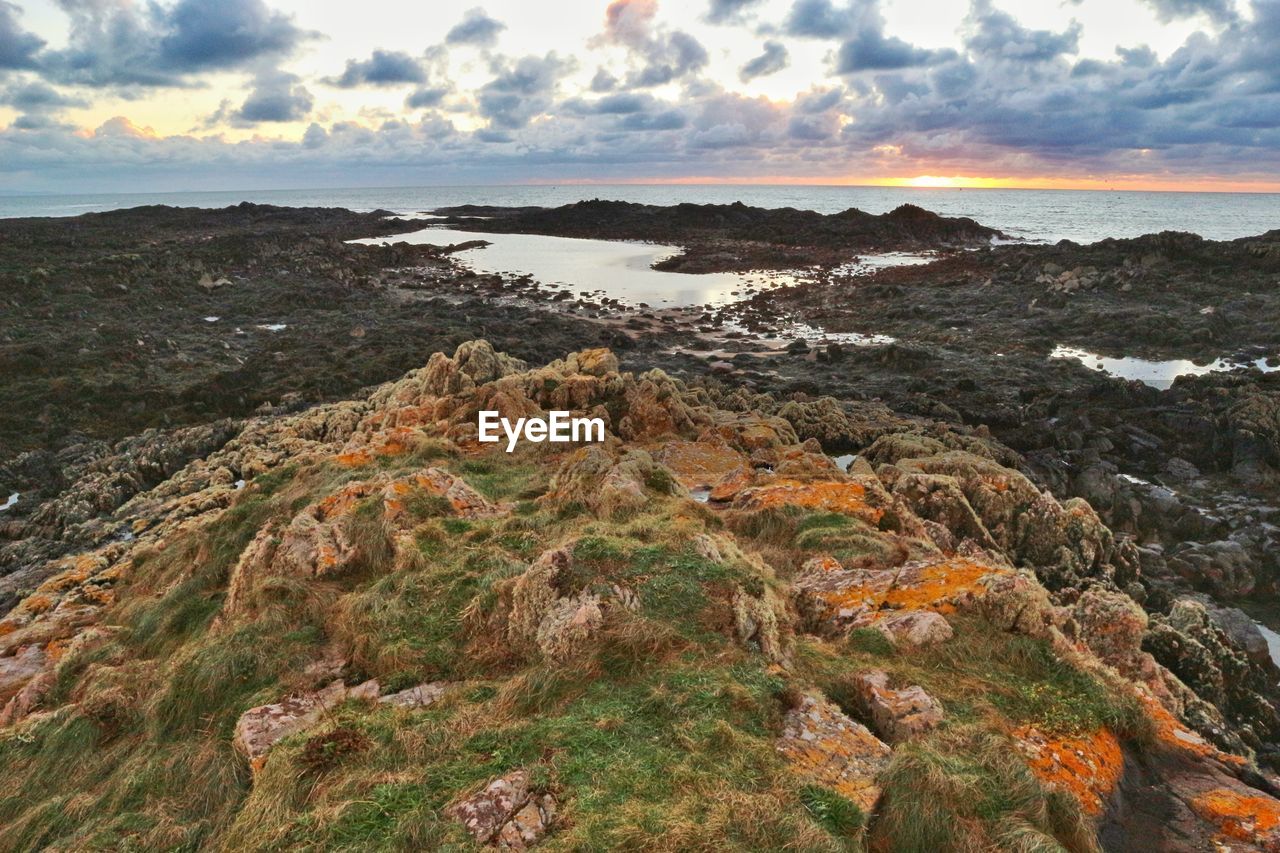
1157	374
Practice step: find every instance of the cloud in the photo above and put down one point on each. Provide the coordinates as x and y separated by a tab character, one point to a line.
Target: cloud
872	50
37	97
1221	11
658	55
1013	100
817	19
520	90
277	96
382	68
426	97
475	28
18	48
728	11
772	60
998	34
122	44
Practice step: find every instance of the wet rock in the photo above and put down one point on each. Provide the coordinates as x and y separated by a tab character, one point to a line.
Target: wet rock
826	748
896	714
506	814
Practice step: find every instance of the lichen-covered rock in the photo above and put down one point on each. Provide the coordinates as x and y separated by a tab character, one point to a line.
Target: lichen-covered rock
760	621
700	464
507	814
913	627
543	612
414	698
261	728
609	485
896	713
827	748
1191	645
832	599
18	668
1088	767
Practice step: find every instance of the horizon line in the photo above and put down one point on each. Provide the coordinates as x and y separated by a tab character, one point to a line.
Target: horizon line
925	182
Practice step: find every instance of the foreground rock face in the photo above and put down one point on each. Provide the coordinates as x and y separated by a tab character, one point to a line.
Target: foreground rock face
602	613
897	714
826	747
507	814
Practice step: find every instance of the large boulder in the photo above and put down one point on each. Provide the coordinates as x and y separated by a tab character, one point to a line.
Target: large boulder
507	813
826	748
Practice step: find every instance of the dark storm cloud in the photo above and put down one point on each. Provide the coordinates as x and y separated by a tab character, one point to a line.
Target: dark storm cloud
113	43
382	68
277	96
18	48
475	28
773	59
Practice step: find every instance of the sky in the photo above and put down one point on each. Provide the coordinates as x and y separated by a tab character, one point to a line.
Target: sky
173	95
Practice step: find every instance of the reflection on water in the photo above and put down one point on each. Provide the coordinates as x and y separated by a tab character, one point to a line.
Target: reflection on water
1157	374
613	268
13	500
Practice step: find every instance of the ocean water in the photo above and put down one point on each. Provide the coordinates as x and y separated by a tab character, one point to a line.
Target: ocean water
1049	215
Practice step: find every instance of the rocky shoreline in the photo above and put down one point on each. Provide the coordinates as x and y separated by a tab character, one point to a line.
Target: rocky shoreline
1144	516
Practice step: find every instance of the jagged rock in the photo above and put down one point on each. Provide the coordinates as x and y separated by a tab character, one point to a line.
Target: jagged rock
1088	767
914	628
543	613
417	697
827	748
1190	644
896	714
759	621
609	486
18	668
832	599
261	728
506	814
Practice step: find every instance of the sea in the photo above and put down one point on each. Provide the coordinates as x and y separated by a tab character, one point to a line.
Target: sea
1084	216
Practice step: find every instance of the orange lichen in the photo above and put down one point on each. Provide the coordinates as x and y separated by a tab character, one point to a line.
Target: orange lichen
827	748
37	604
1239	816
845	498
1088	767
354	459
731	484
937	586
1170	731
7	627
698	464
